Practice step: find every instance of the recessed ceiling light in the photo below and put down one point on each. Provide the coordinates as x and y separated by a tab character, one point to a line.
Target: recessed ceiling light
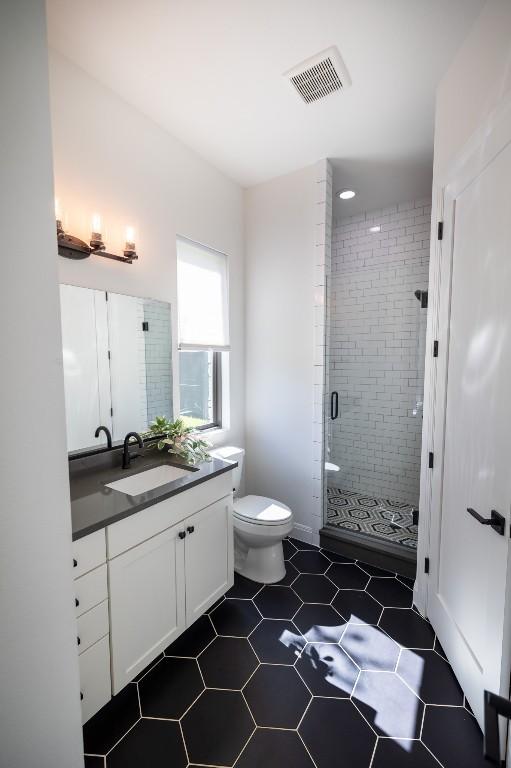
346	194
376	228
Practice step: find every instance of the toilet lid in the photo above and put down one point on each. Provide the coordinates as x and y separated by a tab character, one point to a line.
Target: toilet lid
261	510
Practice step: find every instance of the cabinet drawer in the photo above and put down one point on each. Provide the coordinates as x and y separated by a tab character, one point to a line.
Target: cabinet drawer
92	626
91	589
89	552
95	687
148	522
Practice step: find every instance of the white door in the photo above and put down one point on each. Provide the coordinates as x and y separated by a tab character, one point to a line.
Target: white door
147	610
468	600
208	557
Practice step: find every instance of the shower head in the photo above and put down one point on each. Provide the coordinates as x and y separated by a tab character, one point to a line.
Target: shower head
422	296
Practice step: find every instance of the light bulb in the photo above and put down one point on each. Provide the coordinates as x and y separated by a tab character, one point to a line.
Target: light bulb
58	210
96	223
130	235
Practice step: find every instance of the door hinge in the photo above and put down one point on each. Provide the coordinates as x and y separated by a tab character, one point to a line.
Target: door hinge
109	354
111	411
106	295
145	325
435	348
426	565
430	460
440	230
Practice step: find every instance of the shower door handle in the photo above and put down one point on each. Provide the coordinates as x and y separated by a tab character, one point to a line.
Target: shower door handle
334	405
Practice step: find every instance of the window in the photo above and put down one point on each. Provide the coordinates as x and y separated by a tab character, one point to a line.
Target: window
202	289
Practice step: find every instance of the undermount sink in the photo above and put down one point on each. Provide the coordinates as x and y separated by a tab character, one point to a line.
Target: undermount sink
134	485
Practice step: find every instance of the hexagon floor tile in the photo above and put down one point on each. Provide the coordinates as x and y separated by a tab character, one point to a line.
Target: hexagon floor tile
277	689
217	728
278	748
276	696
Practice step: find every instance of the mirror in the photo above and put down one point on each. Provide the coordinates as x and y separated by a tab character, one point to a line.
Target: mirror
117	353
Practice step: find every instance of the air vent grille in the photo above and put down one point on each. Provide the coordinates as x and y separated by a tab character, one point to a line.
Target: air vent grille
317	81
320	75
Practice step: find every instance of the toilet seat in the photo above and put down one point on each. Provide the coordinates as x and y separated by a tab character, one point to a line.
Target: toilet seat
261	510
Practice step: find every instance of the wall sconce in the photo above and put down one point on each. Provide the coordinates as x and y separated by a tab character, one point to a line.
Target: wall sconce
71	247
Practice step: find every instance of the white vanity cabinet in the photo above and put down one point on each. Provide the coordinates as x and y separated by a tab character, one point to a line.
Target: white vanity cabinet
147	610
167	564
92	623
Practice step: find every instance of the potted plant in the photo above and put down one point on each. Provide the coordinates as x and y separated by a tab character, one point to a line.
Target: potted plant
178	439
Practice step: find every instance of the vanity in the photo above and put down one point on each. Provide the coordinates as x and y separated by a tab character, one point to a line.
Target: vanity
153	543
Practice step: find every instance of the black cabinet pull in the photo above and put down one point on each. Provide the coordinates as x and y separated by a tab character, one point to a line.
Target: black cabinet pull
81	696
334	405
182	534
190	529
77	602
75	562
496	521
78	641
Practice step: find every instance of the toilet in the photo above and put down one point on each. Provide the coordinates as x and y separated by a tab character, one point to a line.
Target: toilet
260	525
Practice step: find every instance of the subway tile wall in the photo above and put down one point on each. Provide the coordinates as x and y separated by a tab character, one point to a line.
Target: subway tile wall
376	349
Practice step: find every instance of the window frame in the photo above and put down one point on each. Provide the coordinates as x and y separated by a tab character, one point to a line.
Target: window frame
216	396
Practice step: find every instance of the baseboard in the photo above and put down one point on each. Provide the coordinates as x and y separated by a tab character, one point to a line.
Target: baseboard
303	533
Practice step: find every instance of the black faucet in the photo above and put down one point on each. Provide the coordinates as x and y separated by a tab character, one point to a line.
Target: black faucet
107	433
126	456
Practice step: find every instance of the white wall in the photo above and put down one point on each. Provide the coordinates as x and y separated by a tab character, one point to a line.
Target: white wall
377	335
110	158
40	724
280	236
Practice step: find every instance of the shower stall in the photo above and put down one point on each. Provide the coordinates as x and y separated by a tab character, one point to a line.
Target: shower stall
377	308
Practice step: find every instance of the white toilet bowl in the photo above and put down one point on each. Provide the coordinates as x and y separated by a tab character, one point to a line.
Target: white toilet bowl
260	524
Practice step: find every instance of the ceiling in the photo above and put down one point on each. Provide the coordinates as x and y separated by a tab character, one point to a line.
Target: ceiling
210	72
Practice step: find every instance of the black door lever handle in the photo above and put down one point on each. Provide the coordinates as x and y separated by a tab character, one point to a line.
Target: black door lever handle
496	521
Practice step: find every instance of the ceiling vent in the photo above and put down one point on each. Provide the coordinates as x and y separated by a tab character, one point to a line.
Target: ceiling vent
320	75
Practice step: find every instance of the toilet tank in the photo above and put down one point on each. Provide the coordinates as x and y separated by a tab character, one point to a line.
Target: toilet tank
231	453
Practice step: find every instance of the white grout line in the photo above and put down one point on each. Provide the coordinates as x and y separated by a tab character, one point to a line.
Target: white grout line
374	752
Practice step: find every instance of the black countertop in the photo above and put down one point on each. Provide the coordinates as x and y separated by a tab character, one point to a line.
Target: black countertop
93	506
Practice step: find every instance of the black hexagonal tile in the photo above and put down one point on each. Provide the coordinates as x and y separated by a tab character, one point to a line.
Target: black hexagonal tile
169	688
291	574
310	562
277	641
398	753
453	736
277	697
302	545
406	627
243	588
154	742
217	727
314	588
430	677
93	761
389	705
334	557
333	727
193	640
327	670
357	606
102	731
347	576
406	581
236	618
370	648
372	570
319	623
390	593
227	663
271	747
288	548
276	602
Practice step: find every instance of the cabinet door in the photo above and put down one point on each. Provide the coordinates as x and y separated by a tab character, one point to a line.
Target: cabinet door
208	557
146	603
